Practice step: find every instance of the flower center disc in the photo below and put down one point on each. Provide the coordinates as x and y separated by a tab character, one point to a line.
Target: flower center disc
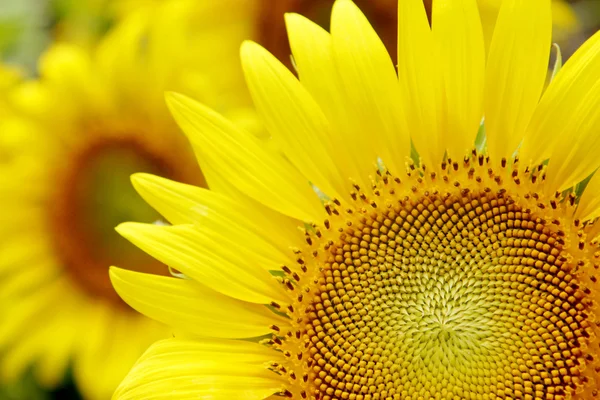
449	293
96	195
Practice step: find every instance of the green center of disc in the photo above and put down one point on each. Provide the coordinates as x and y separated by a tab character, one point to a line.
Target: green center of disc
107	198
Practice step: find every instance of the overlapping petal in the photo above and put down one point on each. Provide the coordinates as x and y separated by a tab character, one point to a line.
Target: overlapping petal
370	86
187	204
218	370
293	118
460	51
263	175
192	307
206	256
565	124
515	73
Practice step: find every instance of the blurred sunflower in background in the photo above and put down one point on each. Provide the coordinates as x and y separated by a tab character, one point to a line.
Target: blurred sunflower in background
464	272
92	117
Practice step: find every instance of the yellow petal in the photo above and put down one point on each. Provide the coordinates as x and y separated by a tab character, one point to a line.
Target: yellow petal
218	370
185	304
419	78
30	310
208	257
63	330
20	249
293	118
370	86
32	321
515	73
26	277
589	204
118	58
313	58
460	50
261	174
186	204
565	125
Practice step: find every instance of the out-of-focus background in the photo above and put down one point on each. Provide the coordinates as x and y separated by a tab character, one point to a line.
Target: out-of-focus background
29	27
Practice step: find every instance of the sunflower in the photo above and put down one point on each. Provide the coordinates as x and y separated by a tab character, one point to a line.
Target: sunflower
90	121
333	265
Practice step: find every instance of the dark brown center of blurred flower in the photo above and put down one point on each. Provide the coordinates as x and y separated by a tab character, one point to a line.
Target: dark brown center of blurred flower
95	195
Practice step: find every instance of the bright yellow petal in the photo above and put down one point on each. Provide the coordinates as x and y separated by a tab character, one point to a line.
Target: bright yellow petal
261	174
293	118
187	305
460	49
566	123
218	370
516	72
419	78
185	204
589	204
208	257
313	58
370	86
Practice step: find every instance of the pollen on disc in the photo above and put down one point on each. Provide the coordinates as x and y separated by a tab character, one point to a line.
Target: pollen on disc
449	296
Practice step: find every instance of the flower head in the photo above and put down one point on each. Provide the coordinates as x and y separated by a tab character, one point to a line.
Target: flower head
459	272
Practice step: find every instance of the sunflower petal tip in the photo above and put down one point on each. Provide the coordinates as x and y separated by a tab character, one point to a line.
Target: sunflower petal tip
291	17
126	229
343	4
248	45
116	274
251	49
143	178
172	98
169	95
295	21
137	177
